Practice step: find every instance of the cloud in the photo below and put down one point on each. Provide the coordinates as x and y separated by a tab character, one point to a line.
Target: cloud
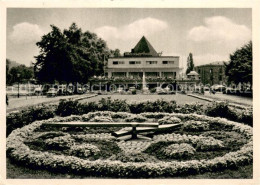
24	33
134	30
221	30
208	58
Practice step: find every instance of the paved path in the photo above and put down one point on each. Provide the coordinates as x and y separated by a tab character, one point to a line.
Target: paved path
19	103
240	100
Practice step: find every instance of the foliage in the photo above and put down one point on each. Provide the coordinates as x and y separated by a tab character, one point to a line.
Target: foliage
221	109
67	107
157	110
195	126
70	55
59	143
19	119
25	73
190	64
239	68
101	119
135	118
133	157
84	150
208	143
169	120
182	150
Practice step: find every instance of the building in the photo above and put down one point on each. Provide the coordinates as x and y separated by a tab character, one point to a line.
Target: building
212	73
143	59
193	75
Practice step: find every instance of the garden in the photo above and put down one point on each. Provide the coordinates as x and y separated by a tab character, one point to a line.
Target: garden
209	139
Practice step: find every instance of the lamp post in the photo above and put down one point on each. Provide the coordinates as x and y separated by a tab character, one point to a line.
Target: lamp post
18	76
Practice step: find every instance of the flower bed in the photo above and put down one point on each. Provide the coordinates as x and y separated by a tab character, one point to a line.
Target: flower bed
133	165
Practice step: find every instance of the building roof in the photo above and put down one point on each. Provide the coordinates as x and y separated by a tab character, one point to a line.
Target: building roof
194	73
144	46
218	63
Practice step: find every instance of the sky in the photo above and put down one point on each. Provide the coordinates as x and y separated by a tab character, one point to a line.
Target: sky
210	34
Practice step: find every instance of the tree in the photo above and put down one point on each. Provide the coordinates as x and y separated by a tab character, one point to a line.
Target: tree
115	53
70	56
190	64
26	73
239	68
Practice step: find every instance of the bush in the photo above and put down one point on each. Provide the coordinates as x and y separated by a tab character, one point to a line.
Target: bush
67	107
136	118
19	119
101	119
246	117
207	143
113	105
169	120
182	150
221	109
133	157
195	126
134	91
84	150
59	143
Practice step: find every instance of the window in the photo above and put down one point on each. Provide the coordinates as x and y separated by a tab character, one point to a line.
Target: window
118	62
151	62
134	62
168	62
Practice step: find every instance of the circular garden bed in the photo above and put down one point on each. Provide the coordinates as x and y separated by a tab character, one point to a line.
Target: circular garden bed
201	144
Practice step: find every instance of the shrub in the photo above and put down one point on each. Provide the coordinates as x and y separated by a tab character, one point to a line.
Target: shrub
67	107
113	105
246	117
169	120
134	91
133	157
136	118
59	143
207	143
19	119
221	109
195	126
182	150
84	150
101	119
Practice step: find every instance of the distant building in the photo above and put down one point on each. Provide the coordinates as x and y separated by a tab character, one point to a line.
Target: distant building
143	59
212	73
193	75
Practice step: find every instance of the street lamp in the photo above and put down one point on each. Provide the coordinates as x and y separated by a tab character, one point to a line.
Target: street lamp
18	76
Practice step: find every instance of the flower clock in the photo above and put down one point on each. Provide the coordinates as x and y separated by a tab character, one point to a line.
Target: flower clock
201	144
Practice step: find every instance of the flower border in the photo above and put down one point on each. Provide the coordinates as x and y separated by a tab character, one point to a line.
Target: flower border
18	151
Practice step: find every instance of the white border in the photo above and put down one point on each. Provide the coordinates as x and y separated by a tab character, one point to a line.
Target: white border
254	4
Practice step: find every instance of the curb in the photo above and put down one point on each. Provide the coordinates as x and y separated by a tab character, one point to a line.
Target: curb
211	100
48	102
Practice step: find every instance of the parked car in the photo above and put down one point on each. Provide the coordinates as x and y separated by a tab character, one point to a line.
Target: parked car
52	92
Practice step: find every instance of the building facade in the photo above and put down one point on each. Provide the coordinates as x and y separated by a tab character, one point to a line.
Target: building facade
143	60
213	73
